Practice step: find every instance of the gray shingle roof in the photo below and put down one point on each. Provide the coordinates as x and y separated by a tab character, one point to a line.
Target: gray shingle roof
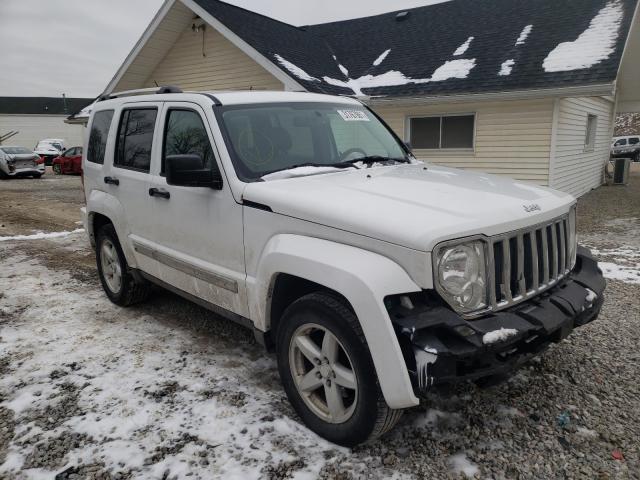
421	58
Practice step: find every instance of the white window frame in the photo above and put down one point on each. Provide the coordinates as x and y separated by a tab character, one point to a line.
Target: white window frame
407	133
591	131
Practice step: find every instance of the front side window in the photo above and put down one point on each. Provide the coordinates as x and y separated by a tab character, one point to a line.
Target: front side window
620	143
185	134
267	138
98	136
442	132
135	138
590	136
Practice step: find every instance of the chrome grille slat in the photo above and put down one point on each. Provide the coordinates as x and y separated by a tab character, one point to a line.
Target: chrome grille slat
554	252
522	285
526	262
535	266
563	248
506	271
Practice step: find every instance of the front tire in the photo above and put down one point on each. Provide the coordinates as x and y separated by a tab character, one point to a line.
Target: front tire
328	374
57	169
115	275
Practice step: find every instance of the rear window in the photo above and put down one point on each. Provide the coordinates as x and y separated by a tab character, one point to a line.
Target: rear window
135	138
15	150
98	136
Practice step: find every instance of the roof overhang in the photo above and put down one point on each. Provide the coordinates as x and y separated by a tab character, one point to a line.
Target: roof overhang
602	90
173	7
628	83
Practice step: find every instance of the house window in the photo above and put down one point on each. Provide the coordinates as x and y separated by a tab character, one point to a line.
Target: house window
590	136
442	132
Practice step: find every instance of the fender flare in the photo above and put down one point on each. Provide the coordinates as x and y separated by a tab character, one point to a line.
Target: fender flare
364	278
109	206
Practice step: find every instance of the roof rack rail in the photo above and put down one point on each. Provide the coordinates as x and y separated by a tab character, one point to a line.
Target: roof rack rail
140	91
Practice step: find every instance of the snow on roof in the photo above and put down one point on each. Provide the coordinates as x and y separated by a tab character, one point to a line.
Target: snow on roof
297	71
524	34
455	47
594	45
506	67
463	48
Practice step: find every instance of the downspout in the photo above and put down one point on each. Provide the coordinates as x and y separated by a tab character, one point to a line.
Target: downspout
555	120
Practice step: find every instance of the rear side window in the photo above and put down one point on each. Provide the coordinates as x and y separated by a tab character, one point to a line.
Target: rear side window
634	140
185	134
98	136
135	138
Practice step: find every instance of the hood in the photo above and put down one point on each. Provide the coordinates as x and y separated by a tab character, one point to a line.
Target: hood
415	206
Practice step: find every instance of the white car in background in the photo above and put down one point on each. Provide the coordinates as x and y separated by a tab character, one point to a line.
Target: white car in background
49	148
19	162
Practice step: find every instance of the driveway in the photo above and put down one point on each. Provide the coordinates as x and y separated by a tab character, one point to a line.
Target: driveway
169	390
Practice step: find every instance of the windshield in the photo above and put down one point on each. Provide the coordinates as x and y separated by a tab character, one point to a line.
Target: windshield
15	150
268	138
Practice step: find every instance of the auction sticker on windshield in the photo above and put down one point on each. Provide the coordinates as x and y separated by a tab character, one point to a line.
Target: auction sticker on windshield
353	115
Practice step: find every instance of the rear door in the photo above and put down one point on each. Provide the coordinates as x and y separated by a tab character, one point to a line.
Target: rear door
128	177
199	230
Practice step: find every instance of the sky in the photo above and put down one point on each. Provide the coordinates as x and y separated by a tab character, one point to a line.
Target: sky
51	47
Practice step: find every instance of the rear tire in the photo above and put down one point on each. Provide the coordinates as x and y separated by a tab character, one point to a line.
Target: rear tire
362	414
115	275
37	175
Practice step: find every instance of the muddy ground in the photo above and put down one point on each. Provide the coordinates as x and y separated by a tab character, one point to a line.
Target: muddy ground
169	390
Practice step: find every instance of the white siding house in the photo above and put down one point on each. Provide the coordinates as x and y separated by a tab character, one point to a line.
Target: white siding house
36	118
540	116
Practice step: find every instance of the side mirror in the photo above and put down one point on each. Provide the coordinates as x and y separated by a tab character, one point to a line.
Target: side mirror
189	171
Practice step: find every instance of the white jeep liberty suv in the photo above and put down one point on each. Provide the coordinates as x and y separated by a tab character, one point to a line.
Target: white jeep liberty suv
374	277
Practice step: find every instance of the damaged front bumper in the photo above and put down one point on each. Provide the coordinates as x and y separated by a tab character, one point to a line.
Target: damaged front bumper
440	347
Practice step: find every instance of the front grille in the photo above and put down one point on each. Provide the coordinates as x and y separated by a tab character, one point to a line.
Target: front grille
528	261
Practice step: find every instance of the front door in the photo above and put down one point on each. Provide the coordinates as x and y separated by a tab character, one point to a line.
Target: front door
199	230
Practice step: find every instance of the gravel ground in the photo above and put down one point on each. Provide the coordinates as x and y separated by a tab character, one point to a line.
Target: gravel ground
168	390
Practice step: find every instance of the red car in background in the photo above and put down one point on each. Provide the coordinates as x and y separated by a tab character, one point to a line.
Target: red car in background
69	162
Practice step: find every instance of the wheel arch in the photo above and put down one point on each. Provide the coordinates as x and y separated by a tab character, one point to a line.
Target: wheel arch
361	277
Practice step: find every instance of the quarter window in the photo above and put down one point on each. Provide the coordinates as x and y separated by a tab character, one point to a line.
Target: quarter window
185	134
98	136
442	132
590	136
135	138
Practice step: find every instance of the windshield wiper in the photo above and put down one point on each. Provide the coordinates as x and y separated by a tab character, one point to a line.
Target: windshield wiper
371	159
313	164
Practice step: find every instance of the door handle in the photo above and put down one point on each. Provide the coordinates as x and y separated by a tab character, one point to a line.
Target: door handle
158	192
111	181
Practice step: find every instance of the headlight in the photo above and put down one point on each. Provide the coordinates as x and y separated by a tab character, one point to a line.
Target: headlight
461	275
573	237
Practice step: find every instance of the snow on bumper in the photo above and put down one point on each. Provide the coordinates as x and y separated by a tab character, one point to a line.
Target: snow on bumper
441	347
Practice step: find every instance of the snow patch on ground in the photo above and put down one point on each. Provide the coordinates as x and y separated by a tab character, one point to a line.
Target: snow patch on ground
506	67
524	34
152	396
594	45
297	71
498	335
625	273
41	235
463	48
460	464
381	58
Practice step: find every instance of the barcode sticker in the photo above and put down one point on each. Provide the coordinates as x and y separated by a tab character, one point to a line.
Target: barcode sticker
353	116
